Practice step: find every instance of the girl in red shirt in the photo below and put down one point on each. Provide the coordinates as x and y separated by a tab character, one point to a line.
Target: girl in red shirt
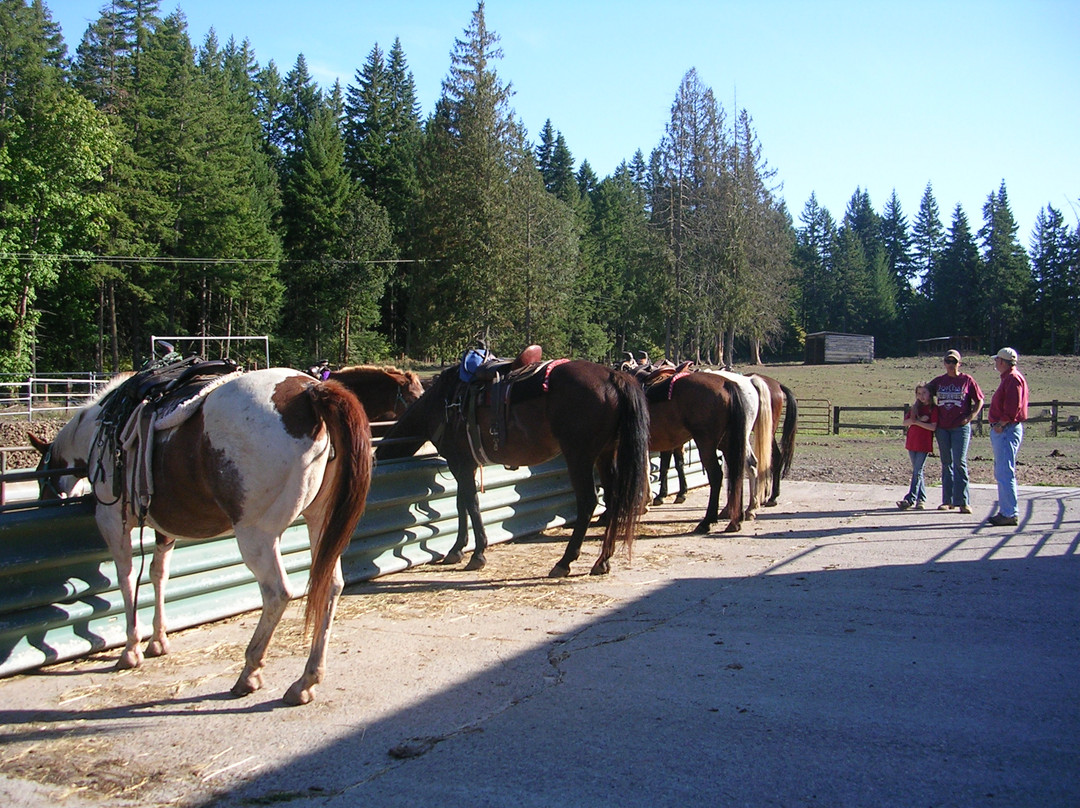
921	423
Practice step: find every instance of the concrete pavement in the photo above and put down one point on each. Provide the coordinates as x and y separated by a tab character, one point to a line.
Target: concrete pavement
838	652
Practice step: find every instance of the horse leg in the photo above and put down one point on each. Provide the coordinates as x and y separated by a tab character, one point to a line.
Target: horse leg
680	461
302	690
605	464
159	574
116	531
755	486
468	504
777	458
665	464
260	552
581	478
715	473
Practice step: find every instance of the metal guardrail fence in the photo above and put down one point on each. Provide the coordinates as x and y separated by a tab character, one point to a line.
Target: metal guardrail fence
58	585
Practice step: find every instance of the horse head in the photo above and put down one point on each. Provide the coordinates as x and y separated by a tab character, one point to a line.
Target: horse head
67	456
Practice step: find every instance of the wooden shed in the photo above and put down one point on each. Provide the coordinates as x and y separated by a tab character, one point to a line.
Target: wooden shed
833	348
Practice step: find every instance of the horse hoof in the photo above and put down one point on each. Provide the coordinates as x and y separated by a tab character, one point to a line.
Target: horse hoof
247	684
659	501
157	648
453	557
679	500
771	503
559	571
129	660
733	527
703	527
476	563
297	695
600	568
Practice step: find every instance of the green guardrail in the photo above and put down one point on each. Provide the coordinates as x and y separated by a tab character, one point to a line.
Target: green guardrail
58	586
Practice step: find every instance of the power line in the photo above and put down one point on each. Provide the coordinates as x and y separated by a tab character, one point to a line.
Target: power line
159	259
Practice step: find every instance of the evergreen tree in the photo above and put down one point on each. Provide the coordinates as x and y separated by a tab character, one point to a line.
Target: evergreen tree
815	246
1004	293
331	283
954	283
928	240
470	218
1054	276
53	148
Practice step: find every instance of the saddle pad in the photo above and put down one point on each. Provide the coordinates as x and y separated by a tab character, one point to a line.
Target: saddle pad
663	389
185	401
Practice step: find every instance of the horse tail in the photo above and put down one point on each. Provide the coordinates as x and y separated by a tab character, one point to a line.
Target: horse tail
735	450
763	436
791	426
350	435
630	475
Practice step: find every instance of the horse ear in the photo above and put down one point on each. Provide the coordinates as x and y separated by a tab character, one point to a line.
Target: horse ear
41	445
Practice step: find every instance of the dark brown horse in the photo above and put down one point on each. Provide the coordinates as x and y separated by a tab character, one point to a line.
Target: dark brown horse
384	392
711	410
585	411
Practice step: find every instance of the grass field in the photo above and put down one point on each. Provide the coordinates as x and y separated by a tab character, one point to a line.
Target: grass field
873	456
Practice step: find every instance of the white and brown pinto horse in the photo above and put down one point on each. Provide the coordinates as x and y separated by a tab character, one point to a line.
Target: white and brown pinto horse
264	448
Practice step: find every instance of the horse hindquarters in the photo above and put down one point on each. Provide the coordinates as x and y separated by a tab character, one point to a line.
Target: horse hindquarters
338	507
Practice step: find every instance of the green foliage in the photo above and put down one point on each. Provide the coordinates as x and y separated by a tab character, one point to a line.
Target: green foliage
149	186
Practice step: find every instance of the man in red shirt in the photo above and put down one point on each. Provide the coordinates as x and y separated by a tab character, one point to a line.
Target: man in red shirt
1008	411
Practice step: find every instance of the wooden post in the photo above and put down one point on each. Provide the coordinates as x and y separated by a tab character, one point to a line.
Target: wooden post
836	421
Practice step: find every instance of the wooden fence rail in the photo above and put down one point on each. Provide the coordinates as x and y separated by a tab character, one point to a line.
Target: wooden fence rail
1039	412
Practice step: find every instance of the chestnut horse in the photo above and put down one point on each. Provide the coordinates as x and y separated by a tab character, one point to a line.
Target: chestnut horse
262	449
713	411
586	411
384	392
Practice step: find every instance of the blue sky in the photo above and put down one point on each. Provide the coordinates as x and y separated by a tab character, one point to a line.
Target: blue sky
844	94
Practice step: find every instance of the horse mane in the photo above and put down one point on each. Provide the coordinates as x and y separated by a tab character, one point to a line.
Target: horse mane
401	377
114	382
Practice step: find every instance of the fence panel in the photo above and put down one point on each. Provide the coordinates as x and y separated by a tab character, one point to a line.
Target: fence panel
814	414
58	586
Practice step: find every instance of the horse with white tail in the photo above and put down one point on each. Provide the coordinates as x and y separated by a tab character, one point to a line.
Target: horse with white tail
250	456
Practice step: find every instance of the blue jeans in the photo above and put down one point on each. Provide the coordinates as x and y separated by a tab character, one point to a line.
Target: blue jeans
1005	446
917	490
953	448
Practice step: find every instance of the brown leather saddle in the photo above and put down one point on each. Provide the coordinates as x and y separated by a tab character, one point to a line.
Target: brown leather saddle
498	384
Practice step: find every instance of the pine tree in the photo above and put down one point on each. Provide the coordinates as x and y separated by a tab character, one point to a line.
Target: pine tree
954	304
53	148
473	146
1005	290
1051	254
815	245
928	240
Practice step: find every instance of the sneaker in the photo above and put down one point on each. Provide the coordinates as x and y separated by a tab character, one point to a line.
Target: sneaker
903	504
944	507
919	506
965	509
1000	520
